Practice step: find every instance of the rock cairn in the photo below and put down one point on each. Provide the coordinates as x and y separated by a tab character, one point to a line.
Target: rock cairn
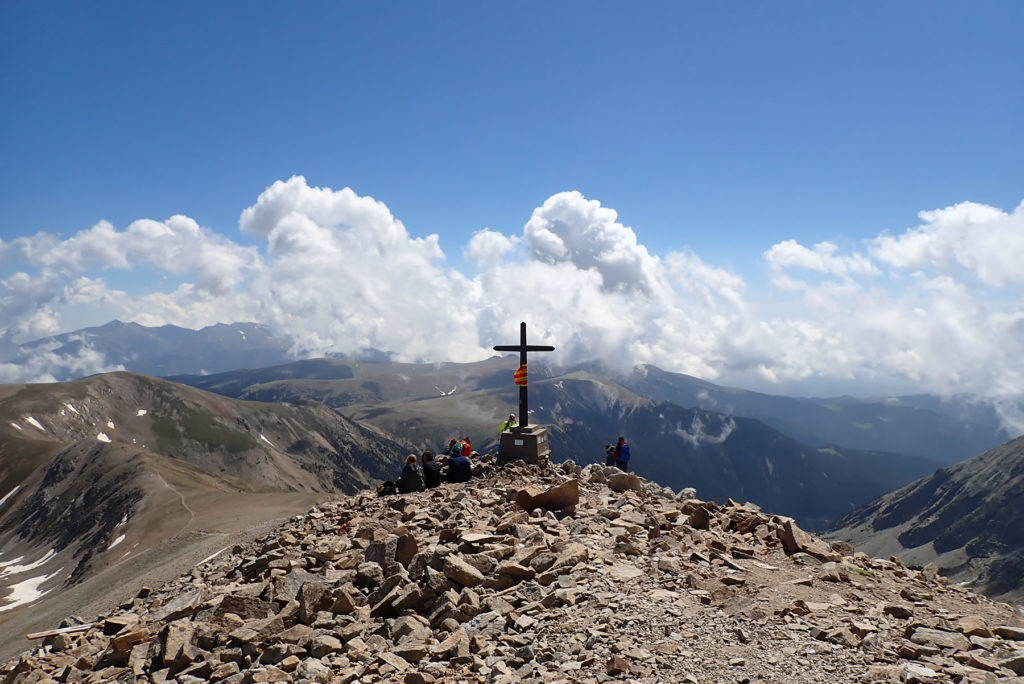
559	574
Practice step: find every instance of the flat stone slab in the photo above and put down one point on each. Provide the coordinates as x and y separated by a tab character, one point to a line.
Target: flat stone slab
555	499
941	638
1011	633
624	572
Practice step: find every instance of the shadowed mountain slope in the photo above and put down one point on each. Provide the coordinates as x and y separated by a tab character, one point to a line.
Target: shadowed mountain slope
721	455
966	518
943	431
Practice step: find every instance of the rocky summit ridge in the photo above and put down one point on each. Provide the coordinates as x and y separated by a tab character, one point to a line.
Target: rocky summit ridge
539	574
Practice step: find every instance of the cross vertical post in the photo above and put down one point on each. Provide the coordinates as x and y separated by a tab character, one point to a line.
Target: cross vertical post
522	348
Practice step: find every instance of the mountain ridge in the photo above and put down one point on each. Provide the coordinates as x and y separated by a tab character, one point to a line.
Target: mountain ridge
539	574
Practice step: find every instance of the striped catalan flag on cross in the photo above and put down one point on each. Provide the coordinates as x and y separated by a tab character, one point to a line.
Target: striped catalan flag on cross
520	376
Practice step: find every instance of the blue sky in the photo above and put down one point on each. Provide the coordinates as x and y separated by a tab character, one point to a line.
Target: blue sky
718	130
757	121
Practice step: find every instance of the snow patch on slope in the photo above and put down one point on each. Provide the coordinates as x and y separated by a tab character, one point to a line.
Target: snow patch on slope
9	568
27	591
210	558
9	494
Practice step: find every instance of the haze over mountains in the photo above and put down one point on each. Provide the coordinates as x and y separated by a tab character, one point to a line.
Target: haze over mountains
166	350
850	422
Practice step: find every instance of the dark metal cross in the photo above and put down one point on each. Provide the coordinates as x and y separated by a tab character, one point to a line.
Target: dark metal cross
522	348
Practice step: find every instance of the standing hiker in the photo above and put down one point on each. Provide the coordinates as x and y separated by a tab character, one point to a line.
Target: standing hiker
621	454
609	455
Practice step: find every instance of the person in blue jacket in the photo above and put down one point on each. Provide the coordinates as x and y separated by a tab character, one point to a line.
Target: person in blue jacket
621	455
459	469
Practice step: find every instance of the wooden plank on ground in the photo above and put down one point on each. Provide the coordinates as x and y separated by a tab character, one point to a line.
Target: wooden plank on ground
62	630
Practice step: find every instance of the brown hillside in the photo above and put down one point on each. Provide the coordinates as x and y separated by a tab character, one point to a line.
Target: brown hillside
121	474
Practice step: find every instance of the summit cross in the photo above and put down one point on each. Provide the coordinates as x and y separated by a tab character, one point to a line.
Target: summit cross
522	348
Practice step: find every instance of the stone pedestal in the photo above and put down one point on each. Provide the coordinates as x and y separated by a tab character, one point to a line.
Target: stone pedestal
529	444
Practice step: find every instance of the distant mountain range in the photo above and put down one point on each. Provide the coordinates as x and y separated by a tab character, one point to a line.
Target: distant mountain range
815	459
126	468
966	518
942	430
166	350
721	455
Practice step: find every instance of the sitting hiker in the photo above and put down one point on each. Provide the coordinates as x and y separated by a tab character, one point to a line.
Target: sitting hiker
467	448
510	423
609	455
459	469
452	449
412	476
431	470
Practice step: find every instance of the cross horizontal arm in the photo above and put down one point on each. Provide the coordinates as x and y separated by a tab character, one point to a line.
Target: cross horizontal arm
519	347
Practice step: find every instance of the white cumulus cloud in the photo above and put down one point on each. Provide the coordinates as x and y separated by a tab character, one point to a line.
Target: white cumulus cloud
982	240
822	257
938	307
569	228
488	247
48	365
697	435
